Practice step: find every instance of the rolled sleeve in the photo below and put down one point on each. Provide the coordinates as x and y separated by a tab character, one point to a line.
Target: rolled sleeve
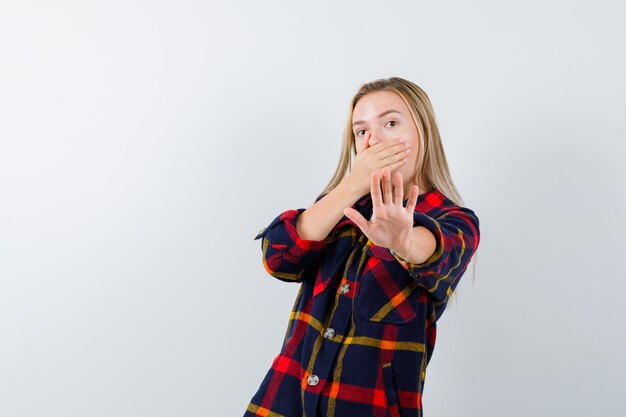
457	234
286	255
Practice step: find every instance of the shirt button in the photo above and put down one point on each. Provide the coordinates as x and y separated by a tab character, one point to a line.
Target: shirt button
329	333
344	288
312	380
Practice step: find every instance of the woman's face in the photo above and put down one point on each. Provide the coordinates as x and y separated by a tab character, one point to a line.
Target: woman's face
381	116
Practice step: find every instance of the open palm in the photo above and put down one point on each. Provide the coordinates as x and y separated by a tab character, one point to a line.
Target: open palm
391	223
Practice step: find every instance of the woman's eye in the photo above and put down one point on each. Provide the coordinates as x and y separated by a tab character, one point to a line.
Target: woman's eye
392	121
358	132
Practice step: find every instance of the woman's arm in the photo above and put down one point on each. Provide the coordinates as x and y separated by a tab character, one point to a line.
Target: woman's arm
457	234
291	245
318	220
421	246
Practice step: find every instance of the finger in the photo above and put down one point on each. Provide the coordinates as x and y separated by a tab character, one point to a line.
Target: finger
395	157
397	164
398	189
412	202
387	193
357	218
394	147
375	190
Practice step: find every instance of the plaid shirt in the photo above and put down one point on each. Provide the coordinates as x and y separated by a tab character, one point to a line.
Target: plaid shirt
363	326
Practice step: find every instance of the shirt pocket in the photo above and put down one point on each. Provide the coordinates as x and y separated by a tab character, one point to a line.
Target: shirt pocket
338	250
391	391
386	292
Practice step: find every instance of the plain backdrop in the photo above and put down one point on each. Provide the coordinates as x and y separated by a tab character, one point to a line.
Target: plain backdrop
143	144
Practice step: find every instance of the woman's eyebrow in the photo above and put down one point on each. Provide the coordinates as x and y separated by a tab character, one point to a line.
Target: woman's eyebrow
360	122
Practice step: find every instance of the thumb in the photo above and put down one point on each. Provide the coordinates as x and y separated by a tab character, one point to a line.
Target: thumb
357	218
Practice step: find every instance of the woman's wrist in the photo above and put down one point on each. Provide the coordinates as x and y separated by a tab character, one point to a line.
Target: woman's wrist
404	255
350	189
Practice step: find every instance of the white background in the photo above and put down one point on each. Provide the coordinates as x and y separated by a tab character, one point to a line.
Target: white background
144	144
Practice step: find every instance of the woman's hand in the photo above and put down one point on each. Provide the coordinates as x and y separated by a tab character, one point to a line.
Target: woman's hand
391	224
387	153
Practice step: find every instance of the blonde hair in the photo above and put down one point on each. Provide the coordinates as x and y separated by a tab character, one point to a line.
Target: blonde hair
432	166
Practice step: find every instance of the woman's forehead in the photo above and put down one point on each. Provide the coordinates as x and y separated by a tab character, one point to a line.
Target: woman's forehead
373	104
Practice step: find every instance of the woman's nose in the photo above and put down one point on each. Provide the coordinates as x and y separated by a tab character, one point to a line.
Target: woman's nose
374	138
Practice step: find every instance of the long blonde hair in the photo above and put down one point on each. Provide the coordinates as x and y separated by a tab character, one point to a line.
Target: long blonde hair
432	165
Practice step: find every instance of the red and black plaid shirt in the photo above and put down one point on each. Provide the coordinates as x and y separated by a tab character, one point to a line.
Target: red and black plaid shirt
363	326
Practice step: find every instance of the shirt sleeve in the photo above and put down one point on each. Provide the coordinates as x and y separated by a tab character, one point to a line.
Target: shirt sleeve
457	233
286	255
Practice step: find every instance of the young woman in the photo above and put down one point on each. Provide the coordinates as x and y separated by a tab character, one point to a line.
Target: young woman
377	257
